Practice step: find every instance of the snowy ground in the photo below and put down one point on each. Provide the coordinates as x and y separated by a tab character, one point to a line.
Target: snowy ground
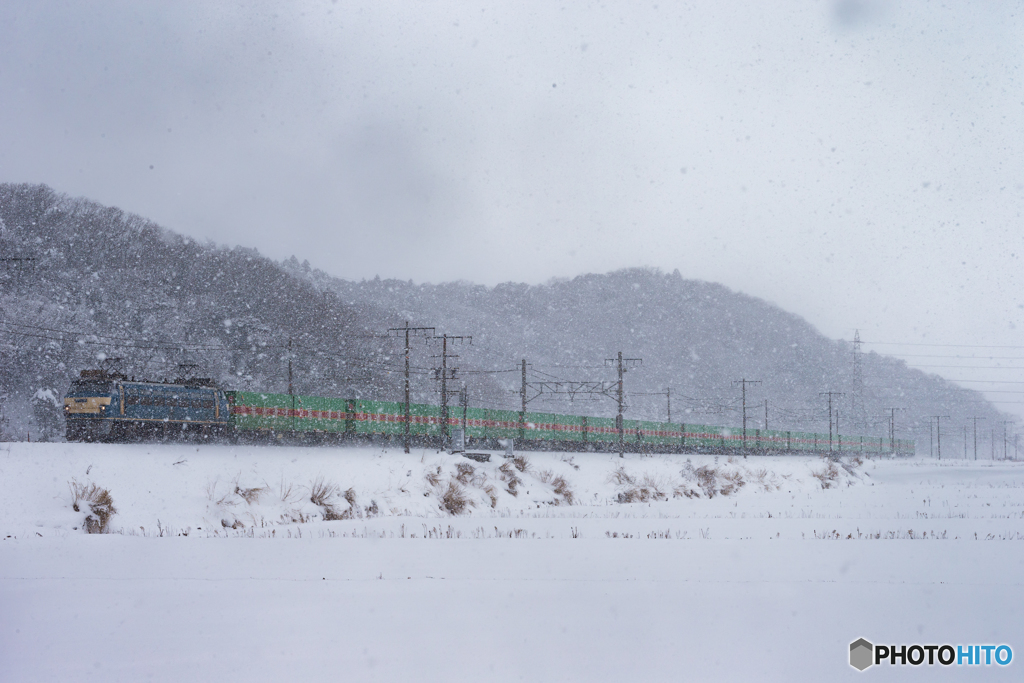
218	565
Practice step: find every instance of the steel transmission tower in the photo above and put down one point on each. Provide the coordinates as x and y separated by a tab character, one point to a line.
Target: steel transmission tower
857	413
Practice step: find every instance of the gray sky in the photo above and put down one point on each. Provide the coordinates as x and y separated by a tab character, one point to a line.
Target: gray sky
858	163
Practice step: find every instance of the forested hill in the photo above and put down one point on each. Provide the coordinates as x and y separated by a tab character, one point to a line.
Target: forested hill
95	282
82	282
696	339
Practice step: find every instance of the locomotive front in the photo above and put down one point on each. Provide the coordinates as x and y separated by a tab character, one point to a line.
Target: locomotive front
89	407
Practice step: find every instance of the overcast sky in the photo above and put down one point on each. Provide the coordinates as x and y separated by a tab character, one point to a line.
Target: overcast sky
858	163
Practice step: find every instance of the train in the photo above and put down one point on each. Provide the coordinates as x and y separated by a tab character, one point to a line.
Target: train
109	407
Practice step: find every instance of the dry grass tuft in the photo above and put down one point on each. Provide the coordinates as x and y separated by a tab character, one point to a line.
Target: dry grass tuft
733	483
492	493
99	502
433	478
465	472
286	492
764	479
621	478
454	499
507	474
220	501
707	480
545	476
637	491
322	492
827	476
562	489
684	490
521	463
250	496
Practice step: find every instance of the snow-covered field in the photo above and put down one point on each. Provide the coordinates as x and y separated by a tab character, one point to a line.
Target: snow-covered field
219	565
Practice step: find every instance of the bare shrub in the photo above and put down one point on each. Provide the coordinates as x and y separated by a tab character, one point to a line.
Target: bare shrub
521	463
454	499
350	496
99	502
827	476
507	474
733	482
707	480
465	472
562	489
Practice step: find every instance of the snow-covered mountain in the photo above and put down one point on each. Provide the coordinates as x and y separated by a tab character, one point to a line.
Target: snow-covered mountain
696	338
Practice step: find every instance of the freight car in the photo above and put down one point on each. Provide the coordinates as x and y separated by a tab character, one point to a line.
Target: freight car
262	417
113	408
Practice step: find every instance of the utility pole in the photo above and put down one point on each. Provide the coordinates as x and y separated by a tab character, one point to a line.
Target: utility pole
427	331
892	429
743	383
766	415
839	437
522	413
965	442
976	418
464	402
668	400
623	364
291	391
830	394
938	432
1005	422
444	379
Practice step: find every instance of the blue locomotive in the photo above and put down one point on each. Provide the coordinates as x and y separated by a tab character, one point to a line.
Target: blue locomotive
109	407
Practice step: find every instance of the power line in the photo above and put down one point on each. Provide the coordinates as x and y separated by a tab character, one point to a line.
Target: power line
914	355
988	381
961	346
971	367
